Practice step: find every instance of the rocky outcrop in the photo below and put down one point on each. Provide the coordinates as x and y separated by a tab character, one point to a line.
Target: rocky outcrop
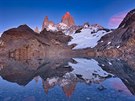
68	19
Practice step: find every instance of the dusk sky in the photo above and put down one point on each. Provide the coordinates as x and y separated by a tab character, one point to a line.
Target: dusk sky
107	13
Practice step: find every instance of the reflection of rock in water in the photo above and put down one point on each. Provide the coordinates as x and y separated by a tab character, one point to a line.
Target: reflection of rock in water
121	69
58	71
22	72
67	85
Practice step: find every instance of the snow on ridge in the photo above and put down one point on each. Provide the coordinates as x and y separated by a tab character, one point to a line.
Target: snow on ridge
62	26
52	28
87	38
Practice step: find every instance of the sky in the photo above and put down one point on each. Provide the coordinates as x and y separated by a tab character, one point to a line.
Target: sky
108	13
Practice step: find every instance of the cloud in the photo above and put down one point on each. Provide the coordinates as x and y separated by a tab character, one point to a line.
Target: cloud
116	19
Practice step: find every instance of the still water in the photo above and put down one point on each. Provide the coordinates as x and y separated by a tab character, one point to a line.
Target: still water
70	79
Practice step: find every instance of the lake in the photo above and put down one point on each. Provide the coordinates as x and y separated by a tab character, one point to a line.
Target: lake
67	79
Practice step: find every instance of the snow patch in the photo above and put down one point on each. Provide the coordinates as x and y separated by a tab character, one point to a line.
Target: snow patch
109	43
118	46
88	37
110	63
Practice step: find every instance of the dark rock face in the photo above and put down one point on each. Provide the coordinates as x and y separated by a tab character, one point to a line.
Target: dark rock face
68	19
58	36
122	40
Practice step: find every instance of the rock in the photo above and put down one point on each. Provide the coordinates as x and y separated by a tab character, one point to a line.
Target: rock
23	43
122	39
46	23
128	20
68	19
36	30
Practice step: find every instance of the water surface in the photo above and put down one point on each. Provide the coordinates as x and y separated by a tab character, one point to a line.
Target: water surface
69	79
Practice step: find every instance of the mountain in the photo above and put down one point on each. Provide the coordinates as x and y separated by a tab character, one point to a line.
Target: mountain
129	19
66	22
121	41
64	37
68	19
23	43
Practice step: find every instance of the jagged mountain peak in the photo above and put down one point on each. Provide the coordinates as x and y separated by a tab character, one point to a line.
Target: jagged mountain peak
68	19
128	20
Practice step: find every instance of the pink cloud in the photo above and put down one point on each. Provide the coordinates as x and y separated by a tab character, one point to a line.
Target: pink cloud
116	19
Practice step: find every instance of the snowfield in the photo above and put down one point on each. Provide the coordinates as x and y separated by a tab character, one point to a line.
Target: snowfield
87	38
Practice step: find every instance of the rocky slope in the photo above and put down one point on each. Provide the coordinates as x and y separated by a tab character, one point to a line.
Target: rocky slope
24	43
121	41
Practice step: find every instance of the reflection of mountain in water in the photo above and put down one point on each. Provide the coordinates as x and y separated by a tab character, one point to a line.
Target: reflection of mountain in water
121	69
67	72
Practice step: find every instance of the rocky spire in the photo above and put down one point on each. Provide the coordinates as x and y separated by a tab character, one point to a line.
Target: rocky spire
68	19
36	30
46	23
